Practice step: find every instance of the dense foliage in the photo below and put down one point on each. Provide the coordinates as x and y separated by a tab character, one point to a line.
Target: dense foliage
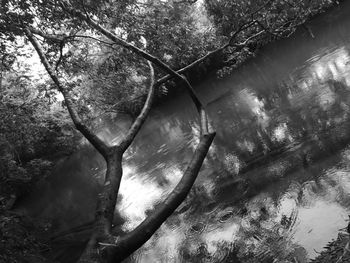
34	134
20	240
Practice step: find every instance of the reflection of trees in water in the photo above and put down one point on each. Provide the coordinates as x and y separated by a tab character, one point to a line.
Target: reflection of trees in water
267	233
225	236
254	122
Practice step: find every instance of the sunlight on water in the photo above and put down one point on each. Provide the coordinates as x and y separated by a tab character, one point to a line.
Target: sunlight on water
133	206
318	224
139	194
167	244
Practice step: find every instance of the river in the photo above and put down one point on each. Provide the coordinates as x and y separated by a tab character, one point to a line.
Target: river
275	185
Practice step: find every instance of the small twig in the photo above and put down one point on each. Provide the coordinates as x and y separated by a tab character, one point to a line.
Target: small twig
244	43
265	28
107	244
84	8
61	55
240	29
260	8
93	38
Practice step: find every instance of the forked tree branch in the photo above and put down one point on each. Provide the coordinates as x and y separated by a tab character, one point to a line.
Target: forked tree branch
135	127
129	243
100	145
156	61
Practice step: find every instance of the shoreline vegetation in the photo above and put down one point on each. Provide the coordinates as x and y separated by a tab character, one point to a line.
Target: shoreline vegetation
220	70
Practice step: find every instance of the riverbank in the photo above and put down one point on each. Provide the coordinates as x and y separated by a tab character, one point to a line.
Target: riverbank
210	70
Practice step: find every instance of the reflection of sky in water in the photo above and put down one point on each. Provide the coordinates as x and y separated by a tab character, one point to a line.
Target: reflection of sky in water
318	224
139	194
320	212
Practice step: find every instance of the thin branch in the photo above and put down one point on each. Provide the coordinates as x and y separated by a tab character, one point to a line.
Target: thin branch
93	38
52	37
260	8
61	55
210	54
267	30
136	126
245	42
290	4
100	146
191	2
84	8
346	249
191	65
64	37
240	29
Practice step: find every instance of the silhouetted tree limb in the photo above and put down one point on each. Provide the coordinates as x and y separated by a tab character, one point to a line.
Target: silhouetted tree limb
100	146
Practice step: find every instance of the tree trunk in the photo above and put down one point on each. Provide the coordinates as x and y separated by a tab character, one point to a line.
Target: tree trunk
107	200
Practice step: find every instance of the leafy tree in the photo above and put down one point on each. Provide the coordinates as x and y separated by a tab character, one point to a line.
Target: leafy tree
99	54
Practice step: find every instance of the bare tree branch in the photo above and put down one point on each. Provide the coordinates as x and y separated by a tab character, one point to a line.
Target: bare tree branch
266	29
61	55
260	8
64	37
239	30
245	42
125	143
100	146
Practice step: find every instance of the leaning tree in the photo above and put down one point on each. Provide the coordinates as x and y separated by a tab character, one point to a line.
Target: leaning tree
64	33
